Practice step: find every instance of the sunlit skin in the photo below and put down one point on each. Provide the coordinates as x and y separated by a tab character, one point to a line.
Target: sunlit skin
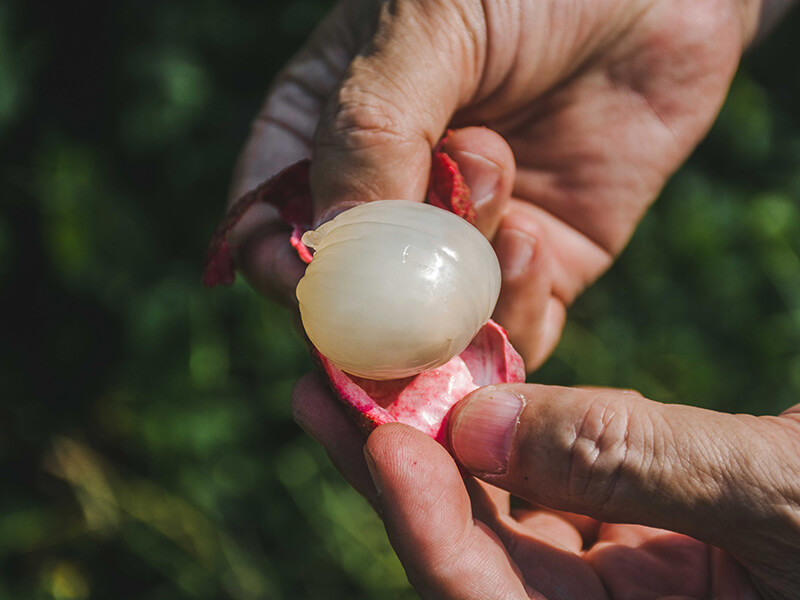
585	109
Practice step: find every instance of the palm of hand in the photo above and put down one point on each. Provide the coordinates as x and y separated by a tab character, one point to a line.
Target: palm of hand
561	555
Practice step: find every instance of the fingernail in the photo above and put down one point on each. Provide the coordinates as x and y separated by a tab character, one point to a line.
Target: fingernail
481	175
515	251
482	431
373	472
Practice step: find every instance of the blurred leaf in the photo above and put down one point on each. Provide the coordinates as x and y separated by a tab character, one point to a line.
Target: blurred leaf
173	90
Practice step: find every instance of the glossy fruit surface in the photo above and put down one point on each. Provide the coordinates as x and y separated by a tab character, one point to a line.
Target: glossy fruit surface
396	288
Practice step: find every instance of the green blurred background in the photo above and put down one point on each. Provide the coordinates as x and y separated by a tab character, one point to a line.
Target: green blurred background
146	445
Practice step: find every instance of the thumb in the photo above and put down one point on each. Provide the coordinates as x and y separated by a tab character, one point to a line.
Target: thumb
486	162
730	480
377	129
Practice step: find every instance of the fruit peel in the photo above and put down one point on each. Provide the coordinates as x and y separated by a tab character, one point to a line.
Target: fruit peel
424	400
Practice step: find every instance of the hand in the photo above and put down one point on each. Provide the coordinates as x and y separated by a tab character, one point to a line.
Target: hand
731	482
588	106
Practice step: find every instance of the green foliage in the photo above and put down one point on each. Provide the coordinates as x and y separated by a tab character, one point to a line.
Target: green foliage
147	450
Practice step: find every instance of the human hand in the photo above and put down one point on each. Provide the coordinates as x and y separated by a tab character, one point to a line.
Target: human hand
679	502
587	108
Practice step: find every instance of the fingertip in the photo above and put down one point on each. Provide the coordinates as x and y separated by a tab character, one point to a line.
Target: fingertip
410	465
537	341
269	263
322	417
429	519
398	443
528	307
487	164
388	448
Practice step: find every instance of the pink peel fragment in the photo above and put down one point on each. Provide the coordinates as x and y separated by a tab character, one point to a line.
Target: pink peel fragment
296	240
290	193
424	400
447	188
219	267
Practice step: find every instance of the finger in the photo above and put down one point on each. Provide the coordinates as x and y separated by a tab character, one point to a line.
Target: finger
528	307
376	132
587	527
625	534
489	503
546	264
793	412
538	536
487	164
643	562
264	255
281	135
282	132
545	548
615	456
429	520
547	525
324	419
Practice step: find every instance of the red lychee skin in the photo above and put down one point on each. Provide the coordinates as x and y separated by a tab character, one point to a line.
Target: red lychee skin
290	193
447	188
424	400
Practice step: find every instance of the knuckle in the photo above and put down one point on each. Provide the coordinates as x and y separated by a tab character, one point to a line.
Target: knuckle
598	452
359	119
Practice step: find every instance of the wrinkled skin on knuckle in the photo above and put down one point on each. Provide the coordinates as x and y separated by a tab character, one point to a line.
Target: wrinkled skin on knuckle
574	463
358	119
363	136
597	452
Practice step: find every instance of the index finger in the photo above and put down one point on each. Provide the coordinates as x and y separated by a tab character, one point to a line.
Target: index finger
281	135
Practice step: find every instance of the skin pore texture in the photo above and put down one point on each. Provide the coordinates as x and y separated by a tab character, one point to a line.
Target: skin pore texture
568	118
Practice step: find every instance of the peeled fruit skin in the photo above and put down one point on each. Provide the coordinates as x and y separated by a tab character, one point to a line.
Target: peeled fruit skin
396	288
424	400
